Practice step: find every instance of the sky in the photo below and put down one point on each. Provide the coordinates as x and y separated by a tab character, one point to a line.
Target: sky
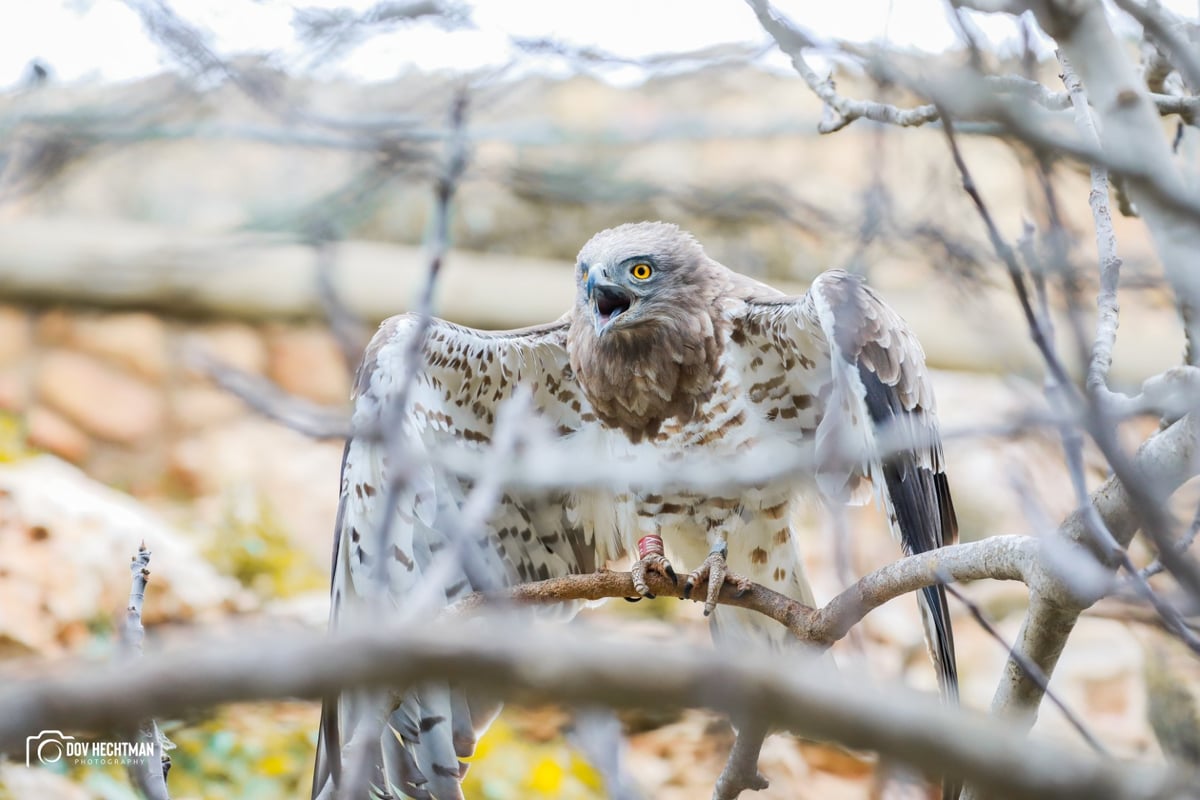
85	40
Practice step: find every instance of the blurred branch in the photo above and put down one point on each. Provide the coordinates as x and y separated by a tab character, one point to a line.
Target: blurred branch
793	43
1165	31
715	55
392	430
1166	460
266	398
740	773
1131	131
335	30
190	47
579	668
348	328
1031	670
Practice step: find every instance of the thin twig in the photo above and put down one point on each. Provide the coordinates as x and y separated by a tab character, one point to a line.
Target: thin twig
793	42
359	766
149	775
1009	258
268	399
1031	669
1156	566
349	330
1107	305
1156	522
1154	19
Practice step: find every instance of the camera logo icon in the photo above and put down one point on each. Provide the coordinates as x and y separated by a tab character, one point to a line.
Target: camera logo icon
48	747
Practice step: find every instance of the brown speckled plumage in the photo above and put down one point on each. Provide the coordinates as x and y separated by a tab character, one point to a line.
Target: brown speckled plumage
666	352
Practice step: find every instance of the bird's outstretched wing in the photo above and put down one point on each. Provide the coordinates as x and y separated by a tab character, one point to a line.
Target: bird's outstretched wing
416	553
875	387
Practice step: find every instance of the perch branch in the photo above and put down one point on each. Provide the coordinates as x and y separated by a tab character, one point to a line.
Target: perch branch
999	557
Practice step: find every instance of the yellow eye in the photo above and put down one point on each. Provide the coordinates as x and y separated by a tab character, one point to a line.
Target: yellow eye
641	271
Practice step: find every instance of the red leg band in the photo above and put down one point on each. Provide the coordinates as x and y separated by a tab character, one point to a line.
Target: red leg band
651	545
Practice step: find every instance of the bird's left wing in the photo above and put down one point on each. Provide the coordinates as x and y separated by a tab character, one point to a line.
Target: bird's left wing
867	371
402	545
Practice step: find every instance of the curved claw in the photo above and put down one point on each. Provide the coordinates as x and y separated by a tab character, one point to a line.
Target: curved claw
715	572
651	563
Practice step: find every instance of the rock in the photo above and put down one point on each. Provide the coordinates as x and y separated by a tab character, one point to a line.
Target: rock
65	547
50	431
232	343
15	335
54	327
14	388
101	399
308	363
136	341
296	477
197	406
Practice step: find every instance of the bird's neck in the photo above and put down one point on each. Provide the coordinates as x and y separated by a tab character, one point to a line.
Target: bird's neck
638	378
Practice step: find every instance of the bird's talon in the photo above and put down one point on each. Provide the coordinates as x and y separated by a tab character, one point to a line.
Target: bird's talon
632	599
653	562
671	574
715	573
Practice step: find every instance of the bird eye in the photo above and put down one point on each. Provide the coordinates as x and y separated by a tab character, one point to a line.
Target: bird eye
641	271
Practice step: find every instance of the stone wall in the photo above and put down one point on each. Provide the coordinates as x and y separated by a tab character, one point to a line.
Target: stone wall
112	392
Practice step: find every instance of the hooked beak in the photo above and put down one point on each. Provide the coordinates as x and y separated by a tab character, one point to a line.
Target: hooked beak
608	301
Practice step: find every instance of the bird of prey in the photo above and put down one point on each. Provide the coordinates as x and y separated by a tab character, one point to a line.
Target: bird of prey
665	352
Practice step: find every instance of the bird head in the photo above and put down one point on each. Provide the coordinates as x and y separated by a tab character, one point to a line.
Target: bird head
628	273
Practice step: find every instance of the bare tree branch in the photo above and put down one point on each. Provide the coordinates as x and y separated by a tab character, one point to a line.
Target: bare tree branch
998	558
1131	129
1166	460
1164	30
793	43
1107	305
1035	674
566	666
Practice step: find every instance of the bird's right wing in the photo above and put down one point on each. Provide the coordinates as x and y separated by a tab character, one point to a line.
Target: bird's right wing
843	351
412	555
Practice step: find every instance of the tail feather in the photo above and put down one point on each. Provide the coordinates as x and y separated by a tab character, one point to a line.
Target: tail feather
434	750
416	755
916	495
400	770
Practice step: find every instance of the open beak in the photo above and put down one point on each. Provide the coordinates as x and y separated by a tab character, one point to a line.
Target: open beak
608	300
